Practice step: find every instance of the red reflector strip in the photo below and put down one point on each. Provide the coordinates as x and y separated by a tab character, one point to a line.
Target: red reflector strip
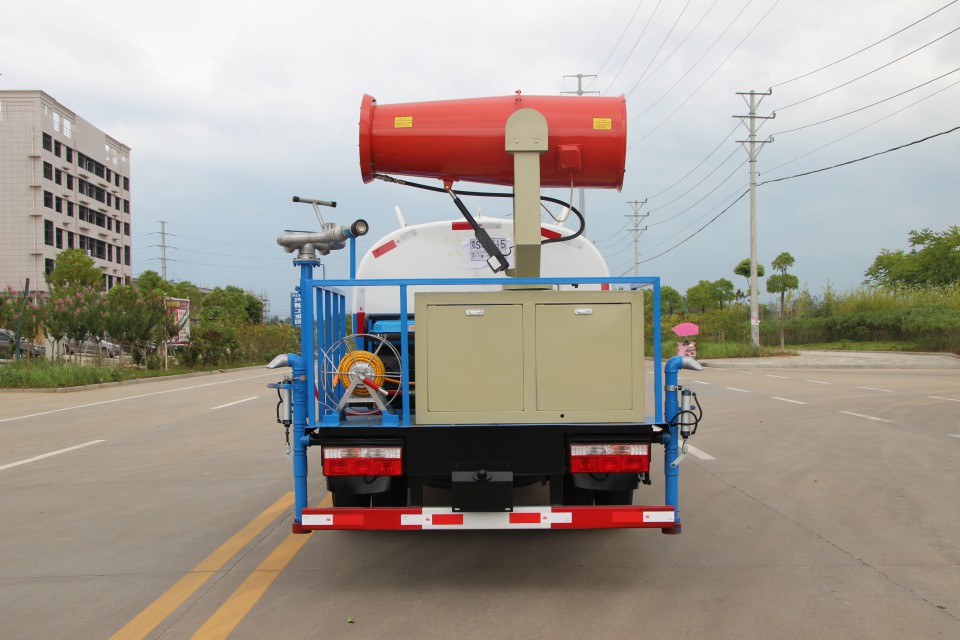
524	518
548	233
448	519
382	249
460	226
414	518
605	287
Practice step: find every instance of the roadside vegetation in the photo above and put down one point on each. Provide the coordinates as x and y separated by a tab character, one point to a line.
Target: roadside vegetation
226	328
909	301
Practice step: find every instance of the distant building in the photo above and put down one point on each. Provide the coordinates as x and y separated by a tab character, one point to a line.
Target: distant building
64	184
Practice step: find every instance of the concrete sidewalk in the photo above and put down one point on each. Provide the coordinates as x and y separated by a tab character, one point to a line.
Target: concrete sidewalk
842	360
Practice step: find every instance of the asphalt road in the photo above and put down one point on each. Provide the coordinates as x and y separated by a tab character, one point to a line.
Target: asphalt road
817	503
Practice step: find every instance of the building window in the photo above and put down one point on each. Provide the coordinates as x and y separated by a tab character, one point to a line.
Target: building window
69	154
48	266
56	149
126	206
67	129
126	256
59	206
47	142
118	255
48	232
56	121
69	239
109	224
58	176
69	182
48	199
48	171
69	208
126	228
116	203
126	183
59	238
109	253
116	180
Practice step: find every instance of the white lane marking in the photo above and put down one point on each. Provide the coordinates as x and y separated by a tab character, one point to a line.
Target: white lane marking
230	404
875	389
787	400
954	435
702	382
142	395
770	375
52	453
942	398
817	381
746	373
860	415
703	455
735	389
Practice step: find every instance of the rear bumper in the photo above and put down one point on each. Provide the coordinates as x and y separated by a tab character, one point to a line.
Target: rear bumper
445	519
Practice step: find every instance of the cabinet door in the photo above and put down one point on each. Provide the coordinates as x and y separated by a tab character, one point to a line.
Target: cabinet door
584	357
475	357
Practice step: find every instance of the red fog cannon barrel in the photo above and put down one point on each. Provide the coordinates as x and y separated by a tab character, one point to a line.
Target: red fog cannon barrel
464	139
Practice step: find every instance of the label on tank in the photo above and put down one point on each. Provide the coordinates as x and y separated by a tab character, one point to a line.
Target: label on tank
406	122
600	123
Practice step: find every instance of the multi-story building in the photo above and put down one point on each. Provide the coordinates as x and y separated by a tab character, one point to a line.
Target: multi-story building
64	184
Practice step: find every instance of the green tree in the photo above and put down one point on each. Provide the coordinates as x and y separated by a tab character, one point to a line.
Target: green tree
781	283
723	291
743	269
151	281
670	300
701	295
231	306
74	270
933	260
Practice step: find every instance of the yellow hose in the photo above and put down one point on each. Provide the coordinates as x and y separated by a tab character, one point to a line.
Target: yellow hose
347	367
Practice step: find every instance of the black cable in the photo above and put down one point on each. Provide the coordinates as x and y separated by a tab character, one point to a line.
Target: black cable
842	115
809	73
495	194
659	49
873	155
635	43
823	93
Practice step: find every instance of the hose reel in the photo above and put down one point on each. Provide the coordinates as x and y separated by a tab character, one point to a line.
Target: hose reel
367	379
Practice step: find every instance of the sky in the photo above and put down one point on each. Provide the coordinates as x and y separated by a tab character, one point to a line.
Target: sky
232	108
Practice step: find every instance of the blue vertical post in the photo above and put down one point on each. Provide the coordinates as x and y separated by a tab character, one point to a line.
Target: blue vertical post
657	353
671	442
308	329
404	356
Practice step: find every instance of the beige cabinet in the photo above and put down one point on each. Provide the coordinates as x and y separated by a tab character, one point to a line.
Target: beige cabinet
529	356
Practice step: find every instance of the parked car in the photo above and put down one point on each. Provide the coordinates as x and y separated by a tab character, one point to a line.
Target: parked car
7	339
88	347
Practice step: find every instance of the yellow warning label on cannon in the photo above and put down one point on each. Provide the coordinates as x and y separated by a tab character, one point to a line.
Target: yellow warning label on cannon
406	122
603	123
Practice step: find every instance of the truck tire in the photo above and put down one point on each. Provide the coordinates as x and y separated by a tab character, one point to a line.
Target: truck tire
395	496
575	496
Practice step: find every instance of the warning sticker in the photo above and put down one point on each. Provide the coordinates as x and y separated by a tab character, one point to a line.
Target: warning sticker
406	122
602	123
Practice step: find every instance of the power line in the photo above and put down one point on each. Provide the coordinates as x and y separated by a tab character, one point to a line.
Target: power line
843	115
799	175
707	79
699	164
629	22
704	179
855	131
677	48
660	48
602	29
872	155
809	73
635	43
839	86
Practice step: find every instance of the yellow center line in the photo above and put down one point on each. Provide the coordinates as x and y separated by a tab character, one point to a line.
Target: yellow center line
147	620
222	623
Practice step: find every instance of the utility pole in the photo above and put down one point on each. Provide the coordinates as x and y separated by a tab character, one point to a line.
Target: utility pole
750	121
580	92
635	218
163	249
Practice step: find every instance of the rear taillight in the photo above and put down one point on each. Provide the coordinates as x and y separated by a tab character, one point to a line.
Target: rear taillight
609	458
362	461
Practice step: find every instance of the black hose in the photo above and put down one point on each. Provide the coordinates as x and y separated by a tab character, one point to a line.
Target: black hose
496	194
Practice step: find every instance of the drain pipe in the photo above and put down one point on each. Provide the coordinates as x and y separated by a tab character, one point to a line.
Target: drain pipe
671	437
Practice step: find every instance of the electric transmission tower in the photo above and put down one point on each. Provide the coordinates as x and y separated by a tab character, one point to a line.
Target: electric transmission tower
637	230
753	146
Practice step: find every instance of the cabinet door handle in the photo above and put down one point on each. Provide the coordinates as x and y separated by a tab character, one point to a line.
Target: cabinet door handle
583	311
475	312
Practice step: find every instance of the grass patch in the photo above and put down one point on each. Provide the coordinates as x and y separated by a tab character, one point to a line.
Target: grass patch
42	374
